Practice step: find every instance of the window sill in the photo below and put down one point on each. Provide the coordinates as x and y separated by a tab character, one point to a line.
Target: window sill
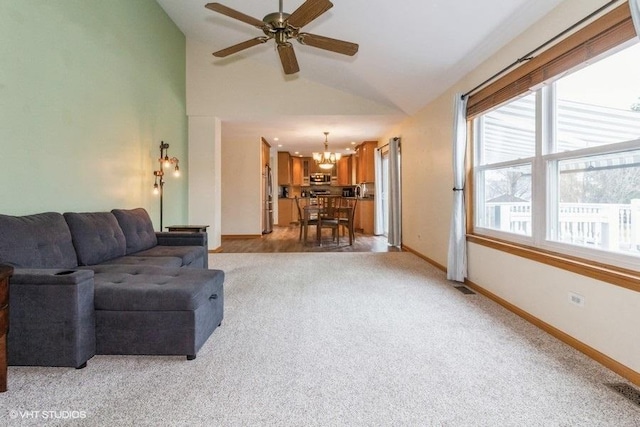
628	279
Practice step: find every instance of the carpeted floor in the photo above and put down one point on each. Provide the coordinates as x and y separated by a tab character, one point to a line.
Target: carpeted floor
334	339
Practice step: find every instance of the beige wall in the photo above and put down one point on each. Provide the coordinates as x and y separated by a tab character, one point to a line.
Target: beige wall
205	176
607	322
241	186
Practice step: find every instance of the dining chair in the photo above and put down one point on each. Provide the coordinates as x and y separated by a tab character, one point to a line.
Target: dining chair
328	215
301	219
347	217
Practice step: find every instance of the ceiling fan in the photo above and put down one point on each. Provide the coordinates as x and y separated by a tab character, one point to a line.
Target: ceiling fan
281	27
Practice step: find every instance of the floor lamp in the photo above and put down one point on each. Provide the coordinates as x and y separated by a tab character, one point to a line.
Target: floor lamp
164	162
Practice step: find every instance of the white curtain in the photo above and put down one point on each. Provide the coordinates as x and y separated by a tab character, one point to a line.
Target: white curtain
395	194
378	221
634	5
457	258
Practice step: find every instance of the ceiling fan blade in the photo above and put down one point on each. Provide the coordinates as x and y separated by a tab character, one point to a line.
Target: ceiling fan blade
288	58
308	11
220	8
240	46
327	43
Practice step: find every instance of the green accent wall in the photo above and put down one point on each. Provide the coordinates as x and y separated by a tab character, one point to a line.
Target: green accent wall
88	89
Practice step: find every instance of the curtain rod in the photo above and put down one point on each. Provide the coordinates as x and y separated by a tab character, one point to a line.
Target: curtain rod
529	55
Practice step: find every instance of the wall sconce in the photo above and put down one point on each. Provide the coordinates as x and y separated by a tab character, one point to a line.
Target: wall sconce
164	163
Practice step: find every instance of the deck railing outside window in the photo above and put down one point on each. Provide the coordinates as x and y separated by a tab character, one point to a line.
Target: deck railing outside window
611	227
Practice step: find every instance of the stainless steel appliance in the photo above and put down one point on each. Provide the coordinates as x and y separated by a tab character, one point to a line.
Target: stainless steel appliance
267	217
316	193
320	179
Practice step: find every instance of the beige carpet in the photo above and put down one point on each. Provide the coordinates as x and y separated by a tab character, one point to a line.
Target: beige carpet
334	339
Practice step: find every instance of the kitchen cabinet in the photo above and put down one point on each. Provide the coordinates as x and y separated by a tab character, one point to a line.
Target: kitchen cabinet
296	171
285	212
364	216
344	171
311	166
301	170
334	174
284	168
365	170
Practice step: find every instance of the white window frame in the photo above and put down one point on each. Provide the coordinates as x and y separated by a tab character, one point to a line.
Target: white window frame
544	180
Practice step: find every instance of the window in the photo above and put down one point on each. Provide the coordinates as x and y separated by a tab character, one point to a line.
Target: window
559	168
506	145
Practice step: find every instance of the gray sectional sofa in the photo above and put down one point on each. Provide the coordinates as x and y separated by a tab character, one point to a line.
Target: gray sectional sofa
105	283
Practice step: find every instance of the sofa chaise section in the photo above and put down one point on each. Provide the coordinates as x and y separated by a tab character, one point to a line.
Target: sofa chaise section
151	310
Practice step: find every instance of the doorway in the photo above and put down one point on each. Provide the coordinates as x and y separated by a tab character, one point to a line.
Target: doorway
389	192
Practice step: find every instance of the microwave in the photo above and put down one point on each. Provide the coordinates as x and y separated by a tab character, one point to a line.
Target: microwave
320	179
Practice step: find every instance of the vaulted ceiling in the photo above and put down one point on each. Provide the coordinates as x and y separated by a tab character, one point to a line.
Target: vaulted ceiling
410	51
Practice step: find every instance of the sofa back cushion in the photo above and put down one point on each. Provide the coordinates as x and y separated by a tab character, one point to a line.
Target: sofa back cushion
36	241
138	229
96	236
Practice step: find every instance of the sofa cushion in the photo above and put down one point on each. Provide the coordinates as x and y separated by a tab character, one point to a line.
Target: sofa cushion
96	236
137	228
148	288
159	261
36	241
191	256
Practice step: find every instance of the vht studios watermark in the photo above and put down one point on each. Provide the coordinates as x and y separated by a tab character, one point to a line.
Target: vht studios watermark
46	415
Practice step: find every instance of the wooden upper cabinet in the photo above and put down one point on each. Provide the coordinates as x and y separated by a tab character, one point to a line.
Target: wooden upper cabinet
296	171
313	166
344	170
365	170
284	168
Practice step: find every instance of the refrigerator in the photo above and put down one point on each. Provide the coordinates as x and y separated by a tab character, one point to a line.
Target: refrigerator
267	217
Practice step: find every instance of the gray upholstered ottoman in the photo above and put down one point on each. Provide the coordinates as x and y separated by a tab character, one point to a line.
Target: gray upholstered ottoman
152	310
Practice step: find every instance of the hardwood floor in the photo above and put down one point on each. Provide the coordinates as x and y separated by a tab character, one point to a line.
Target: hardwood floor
285	239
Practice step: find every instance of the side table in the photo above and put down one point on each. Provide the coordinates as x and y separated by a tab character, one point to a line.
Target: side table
188	228
5	273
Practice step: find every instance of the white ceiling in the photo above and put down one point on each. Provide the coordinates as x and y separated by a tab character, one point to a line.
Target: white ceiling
410	52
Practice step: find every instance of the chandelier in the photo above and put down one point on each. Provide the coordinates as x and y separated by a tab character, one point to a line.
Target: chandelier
327	159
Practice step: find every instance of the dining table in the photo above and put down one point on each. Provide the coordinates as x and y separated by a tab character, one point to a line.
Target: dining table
314	212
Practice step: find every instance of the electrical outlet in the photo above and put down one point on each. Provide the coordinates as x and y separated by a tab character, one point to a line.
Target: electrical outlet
576	299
